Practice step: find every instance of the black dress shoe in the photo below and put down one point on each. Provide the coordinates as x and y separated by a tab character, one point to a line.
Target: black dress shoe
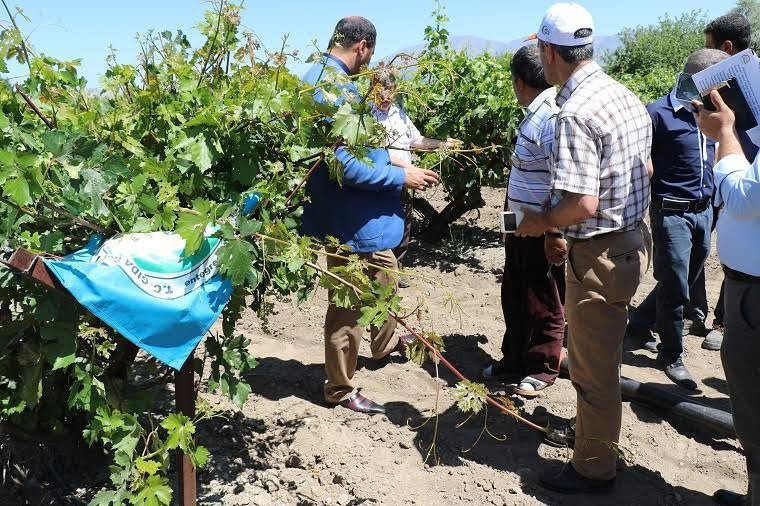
650	346
361	404
569	481
561	437
728	498
680	375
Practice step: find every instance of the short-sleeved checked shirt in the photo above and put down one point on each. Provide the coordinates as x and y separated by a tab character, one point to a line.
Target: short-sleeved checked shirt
530	176
603	138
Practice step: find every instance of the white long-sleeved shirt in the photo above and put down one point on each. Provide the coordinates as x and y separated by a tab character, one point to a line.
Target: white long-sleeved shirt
400	132
737	190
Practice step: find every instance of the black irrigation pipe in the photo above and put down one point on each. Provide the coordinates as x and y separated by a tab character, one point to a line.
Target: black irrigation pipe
674	404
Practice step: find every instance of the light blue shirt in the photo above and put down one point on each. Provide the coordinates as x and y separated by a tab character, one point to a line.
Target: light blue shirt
737	190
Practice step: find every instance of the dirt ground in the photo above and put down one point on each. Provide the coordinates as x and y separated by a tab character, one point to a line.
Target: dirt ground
287	447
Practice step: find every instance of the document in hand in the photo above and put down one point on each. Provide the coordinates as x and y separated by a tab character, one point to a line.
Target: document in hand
732	95
739	78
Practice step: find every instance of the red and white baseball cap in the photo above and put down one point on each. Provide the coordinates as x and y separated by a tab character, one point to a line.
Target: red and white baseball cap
566	24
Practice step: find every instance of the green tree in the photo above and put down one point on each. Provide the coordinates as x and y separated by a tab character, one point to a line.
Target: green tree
649	57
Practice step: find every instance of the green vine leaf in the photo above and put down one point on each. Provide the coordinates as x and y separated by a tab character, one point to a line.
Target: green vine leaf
200	457
418	353
154	492
471	397
180	431
235	260
147	466
17	189
191	226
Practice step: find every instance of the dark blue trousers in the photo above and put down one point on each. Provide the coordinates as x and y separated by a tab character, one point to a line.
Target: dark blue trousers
681	246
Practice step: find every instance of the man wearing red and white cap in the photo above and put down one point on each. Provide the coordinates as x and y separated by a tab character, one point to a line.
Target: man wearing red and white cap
600	194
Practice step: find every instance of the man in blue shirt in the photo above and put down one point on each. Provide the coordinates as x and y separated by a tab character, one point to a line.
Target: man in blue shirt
681	220
363	212
738	193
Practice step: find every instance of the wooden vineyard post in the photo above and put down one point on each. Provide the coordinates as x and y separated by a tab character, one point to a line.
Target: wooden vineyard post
31	265
184	390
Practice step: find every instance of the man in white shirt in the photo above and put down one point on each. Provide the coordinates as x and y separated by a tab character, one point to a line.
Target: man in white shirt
737	192
401	138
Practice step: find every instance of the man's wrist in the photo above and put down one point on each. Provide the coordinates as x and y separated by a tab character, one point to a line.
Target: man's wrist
549	219
554	233
728	134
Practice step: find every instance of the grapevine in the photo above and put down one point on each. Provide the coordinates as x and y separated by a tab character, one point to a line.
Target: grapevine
176	142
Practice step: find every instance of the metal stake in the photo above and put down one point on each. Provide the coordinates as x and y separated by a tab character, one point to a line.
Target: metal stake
184	390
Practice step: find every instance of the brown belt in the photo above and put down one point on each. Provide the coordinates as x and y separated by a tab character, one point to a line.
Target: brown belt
597	237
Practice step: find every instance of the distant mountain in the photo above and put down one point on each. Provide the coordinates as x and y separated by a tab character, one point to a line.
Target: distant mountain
476	45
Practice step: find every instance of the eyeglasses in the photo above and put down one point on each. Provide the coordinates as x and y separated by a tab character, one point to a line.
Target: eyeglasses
685	91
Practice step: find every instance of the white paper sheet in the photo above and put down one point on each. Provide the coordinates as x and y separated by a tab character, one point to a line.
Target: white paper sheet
745	67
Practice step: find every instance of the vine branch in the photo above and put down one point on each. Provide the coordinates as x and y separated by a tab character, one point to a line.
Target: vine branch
48	122
23	42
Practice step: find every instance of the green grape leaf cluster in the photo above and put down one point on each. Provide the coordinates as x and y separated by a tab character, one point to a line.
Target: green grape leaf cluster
471	397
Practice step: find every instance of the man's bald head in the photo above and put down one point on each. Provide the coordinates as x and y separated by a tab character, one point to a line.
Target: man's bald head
702	58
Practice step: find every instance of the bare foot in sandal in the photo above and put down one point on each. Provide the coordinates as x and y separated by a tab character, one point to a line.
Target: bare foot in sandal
530	387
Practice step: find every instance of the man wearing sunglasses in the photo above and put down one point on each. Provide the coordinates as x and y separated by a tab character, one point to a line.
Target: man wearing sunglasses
681	219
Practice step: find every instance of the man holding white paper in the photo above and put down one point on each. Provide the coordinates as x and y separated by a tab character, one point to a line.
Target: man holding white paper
532	290
738	193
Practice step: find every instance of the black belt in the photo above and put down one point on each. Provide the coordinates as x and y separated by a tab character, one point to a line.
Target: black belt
683	206
740	276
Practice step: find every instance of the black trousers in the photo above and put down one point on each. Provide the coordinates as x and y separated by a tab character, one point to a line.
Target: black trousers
740	355
407	203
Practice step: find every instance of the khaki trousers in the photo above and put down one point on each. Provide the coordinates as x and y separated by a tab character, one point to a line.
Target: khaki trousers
343	335
602	277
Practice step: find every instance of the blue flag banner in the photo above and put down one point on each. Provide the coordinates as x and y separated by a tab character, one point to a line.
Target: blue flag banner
145	288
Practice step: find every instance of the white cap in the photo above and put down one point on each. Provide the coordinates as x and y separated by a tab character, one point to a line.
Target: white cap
561	25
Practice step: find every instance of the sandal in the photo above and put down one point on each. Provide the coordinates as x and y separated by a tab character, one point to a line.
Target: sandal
530	387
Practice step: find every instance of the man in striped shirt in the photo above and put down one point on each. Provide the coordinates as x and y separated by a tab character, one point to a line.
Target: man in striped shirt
531	300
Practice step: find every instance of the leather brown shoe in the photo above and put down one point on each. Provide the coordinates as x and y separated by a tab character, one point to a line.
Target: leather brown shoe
570	481
361	404
561	437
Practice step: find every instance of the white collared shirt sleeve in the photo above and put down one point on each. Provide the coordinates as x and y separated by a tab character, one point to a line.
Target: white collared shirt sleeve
413	133
737	187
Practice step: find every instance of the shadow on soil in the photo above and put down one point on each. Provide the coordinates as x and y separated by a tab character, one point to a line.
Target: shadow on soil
455	250
511	446
454	440
240	444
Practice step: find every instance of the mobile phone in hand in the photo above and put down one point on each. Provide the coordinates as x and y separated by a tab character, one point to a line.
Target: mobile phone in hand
731	93
509	222
707	100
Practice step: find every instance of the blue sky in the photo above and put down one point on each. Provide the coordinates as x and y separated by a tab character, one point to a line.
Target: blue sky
84	28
